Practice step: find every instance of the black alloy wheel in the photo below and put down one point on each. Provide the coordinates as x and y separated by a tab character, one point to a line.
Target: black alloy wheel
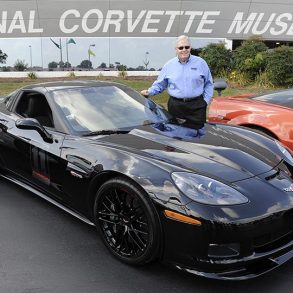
128	222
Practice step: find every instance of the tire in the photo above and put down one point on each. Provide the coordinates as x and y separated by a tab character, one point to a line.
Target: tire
127	221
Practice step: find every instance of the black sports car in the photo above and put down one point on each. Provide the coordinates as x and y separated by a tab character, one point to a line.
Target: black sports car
215	201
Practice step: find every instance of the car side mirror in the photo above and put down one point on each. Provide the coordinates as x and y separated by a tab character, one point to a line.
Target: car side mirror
220	84
33	124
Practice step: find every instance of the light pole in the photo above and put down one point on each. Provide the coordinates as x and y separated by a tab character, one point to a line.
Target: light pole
90	53
146	61
31	56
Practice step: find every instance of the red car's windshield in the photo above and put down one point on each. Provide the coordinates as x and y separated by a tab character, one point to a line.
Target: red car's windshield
282	98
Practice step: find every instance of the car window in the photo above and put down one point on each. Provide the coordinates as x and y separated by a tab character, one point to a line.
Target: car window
283	98
7	100
99	108
35	105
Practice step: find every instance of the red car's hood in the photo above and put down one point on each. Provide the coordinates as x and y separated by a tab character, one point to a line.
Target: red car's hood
246	98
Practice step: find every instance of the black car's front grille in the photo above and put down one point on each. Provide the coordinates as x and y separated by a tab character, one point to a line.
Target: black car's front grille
280	235
263	235
272	241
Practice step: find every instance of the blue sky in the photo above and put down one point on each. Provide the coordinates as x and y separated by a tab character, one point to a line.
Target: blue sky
128	51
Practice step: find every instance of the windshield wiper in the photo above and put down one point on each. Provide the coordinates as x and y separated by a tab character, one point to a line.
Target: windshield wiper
106	132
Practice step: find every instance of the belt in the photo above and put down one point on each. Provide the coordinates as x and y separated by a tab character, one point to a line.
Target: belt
186	99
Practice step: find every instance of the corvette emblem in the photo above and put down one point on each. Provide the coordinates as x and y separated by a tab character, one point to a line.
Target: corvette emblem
289	189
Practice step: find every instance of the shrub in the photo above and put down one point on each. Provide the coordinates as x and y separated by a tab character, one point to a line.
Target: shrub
239	78
20	65
32	75
218	57
262	80
280	66
250	57
225	73
122	74
100	76
5	68
71	74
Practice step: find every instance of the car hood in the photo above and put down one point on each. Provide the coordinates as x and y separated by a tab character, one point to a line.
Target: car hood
224	152
246	99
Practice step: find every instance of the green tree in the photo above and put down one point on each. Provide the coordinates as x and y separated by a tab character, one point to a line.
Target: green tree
103	65
280	66
6	68
61	64
52	65
218	57
121	67
20	65
250	57
67	65
140	68
3	57
85	64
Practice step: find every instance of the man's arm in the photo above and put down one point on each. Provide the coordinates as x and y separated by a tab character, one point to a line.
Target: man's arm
208	90
158	86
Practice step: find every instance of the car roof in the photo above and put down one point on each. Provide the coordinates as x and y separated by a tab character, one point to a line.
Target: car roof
70	84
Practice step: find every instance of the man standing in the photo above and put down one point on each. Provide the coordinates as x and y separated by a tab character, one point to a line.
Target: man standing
189	83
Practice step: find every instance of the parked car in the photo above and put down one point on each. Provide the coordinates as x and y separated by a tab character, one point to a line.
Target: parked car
270	113
215	201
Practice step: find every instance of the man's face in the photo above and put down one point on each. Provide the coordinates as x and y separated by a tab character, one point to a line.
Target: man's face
183	49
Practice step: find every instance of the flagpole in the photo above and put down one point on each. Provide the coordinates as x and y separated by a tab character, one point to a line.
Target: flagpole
61	54
89	56
67	51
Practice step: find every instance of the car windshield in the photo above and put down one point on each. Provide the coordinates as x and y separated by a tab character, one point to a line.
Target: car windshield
92	109
283	98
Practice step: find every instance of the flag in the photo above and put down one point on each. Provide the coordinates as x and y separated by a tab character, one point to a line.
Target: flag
58	46
90	52
71	41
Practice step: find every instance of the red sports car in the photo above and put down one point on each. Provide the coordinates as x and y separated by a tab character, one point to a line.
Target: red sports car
270	113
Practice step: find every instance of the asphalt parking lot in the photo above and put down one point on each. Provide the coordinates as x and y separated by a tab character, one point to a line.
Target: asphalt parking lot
43	249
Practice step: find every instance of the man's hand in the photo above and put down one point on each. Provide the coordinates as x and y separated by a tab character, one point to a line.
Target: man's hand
145	93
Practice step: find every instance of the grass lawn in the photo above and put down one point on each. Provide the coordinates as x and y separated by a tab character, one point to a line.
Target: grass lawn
138	83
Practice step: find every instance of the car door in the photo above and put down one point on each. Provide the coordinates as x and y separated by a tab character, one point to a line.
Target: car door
14	150
27	156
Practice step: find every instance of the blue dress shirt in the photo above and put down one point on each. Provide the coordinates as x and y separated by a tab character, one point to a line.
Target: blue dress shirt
187	80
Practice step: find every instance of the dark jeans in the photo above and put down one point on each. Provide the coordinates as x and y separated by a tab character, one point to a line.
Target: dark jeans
193	111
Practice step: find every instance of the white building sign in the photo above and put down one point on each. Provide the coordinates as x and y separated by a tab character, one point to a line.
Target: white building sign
238	19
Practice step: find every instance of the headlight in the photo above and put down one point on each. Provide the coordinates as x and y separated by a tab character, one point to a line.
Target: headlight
287	155
206	190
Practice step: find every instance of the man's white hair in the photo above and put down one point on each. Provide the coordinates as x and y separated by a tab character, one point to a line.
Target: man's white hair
182	37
